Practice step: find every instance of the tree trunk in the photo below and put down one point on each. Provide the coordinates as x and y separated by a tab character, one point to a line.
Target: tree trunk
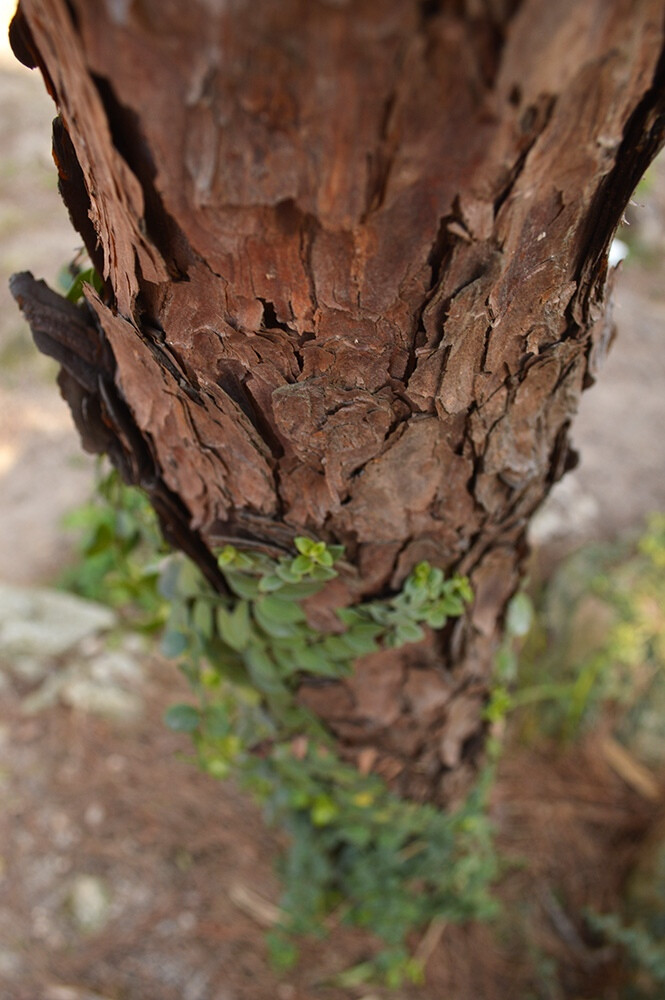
356	278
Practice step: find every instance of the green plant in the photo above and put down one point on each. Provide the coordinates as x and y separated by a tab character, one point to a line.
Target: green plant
392	865
517	625
78	272
387	865
598	640
644	952
120	549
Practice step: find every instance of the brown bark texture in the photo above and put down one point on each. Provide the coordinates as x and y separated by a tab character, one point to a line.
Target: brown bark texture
356	278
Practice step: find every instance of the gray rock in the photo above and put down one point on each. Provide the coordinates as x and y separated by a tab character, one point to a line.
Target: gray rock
114	666
11	964
30	669
108	685
46	695
40	623
89	903
568	512
88	695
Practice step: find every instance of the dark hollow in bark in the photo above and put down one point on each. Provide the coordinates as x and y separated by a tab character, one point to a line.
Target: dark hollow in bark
356	278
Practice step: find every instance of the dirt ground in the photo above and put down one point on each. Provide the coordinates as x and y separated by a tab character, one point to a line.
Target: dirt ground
189	868
186	863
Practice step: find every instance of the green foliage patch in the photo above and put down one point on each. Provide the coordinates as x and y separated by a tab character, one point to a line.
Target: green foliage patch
644	951
391	865
597	643
385	864
596	653
120	552
76	274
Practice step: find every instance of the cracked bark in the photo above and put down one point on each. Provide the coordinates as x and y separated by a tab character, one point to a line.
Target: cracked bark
355	262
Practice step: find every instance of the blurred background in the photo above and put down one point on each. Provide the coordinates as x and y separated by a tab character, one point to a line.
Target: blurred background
126	874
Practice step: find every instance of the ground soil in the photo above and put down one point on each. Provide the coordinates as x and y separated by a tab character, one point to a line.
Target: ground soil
188	860
190	867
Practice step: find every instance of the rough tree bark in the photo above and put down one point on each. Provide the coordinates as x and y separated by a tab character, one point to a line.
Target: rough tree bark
356	278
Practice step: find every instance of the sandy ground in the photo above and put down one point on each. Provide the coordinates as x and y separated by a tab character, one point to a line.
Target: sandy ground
43	471
184	859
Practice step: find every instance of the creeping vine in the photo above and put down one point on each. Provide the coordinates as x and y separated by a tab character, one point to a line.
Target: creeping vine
395	865
389	865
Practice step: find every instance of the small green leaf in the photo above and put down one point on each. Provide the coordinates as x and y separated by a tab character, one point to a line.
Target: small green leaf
202	618
227	556
506	664
362	638
168	578
313	660
453	605
323	811
436	618
246	587
182	718
319	554
414	589
90	277
231	559
421	573
235	627
286	572
218	768
287	612
190	581
498	706
297	591
286	653
216	721
318	572
408	632
173	643
350	616
379	613
270	625
360	836
263	670
301	565
304	545
464	588
270	583
336	647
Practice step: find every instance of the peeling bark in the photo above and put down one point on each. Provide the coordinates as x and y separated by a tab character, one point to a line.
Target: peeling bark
356	278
